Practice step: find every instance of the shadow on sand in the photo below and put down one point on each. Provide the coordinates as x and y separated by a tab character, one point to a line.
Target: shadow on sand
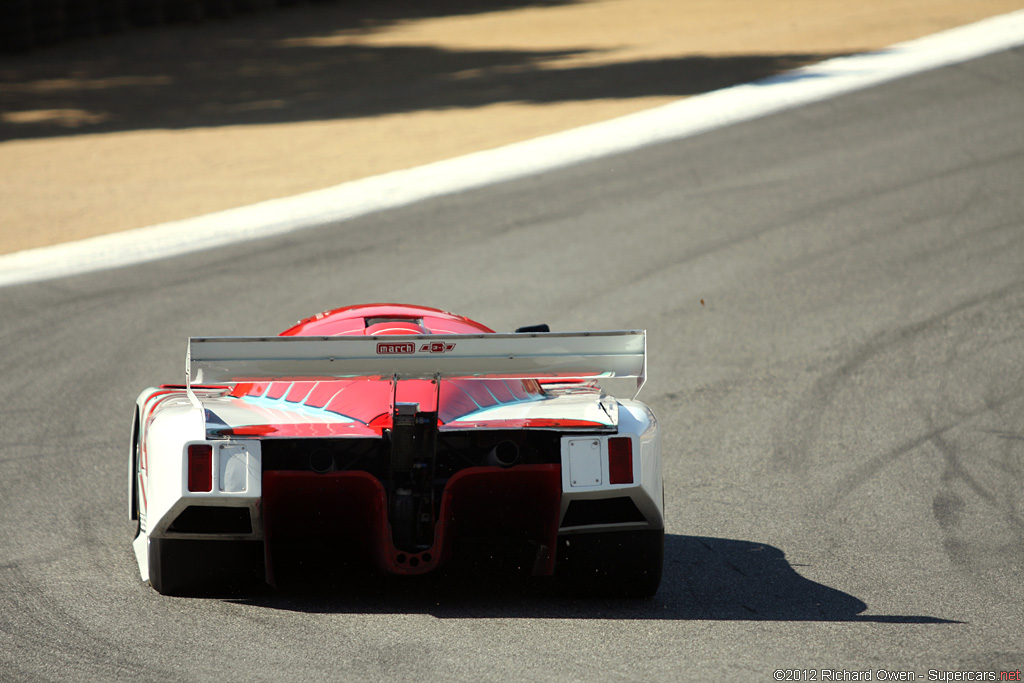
705	578
301	64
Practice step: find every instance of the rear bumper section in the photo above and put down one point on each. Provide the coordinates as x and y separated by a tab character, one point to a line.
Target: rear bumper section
612	482
349	517
231	508
345	514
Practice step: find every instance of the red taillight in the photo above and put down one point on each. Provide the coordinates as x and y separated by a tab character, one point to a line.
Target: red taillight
200	467
620	460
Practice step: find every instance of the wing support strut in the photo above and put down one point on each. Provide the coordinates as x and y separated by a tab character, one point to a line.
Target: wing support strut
411	497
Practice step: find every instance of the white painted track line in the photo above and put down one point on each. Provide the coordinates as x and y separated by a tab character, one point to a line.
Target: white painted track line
686	117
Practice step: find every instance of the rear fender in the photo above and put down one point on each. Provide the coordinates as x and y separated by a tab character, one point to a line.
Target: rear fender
164	438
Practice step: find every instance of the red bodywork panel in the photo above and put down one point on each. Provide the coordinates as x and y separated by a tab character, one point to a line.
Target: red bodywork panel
369	401
368	319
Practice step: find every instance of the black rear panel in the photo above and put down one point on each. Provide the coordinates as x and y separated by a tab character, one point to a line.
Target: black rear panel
454	451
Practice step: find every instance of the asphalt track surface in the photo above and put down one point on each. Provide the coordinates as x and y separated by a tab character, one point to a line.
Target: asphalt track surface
834	298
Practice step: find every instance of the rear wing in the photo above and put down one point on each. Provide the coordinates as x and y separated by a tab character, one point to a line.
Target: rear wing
570	355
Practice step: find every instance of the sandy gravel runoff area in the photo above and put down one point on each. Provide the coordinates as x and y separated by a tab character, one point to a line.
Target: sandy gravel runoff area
155	125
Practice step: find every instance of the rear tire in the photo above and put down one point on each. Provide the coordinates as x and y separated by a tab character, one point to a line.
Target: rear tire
189	567
184	11
146	12
16	31
611	564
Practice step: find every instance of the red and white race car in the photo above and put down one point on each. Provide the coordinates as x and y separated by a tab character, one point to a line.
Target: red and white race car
399	435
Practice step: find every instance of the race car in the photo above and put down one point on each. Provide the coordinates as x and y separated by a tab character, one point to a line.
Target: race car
399	436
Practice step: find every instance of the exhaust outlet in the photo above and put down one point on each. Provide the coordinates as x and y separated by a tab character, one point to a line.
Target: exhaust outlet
505	454
321	460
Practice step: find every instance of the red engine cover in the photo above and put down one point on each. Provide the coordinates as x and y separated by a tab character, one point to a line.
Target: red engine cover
372	319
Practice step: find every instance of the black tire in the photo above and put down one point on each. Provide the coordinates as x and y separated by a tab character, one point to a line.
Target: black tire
81	19
184	11
188	567
251	5
219	9
16	33
611	564
113	15
146	12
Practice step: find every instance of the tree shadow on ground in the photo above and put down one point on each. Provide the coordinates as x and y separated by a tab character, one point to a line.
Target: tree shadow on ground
704	578
298	64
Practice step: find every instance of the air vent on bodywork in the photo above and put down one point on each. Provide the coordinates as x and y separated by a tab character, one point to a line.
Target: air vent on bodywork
206	519
602	511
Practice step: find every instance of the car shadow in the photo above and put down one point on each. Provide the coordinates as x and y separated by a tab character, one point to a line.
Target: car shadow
704	578
310	63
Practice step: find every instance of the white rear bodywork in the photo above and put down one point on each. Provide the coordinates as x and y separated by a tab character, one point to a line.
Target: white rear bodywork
169	419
